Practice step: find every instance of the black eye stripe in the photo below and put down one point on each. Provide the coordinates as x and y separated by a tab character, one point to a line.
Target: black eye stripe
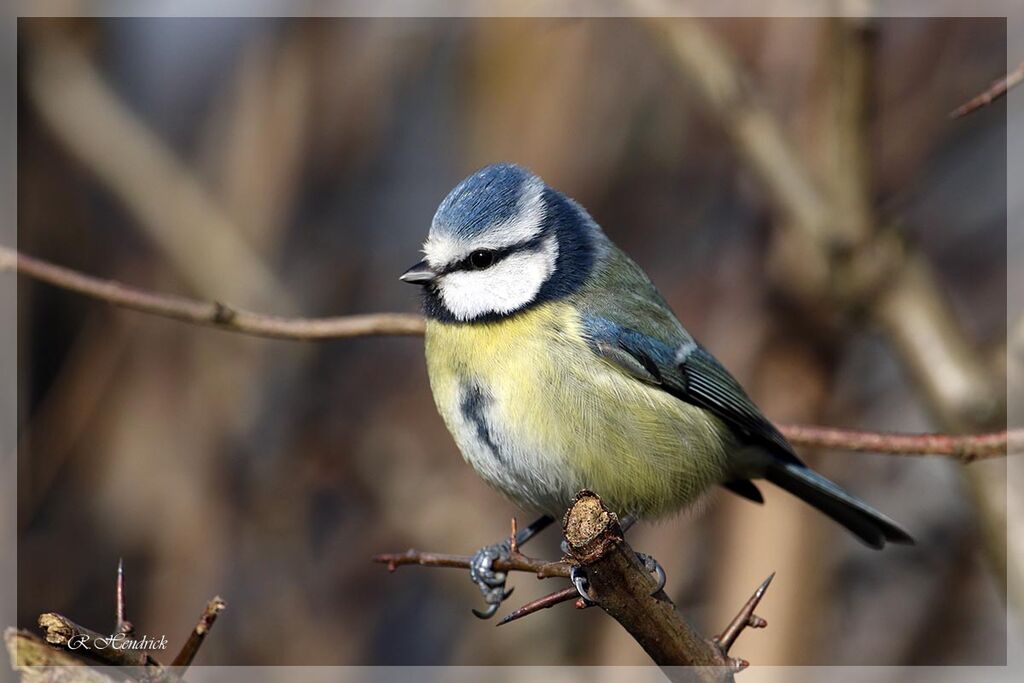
498	255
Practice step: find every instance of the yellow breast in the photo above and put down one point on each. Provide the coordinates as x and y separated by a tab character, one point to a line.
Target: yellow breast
540	416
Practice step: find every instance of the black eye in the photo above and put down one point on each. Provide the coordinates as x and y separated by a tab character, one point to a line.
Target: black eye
481	259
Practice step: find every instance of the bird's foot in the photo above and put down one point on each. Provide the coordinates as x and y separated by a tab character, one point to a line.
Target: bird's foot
490	582
654	567
578	576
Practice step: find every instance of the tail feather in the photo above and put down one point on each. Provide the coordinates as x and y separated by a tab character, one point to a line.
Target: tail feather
866	523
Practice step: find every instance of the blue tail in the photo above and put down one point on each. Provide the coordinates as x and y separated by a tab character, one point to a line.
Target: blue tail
866	523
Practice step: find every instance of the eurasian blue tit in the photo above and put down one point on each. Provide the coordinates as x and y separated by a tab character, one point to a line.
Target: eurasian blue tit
557	366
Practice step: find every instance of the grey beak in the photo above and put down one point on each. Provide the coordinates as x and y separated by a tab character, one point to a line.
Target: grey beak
420	274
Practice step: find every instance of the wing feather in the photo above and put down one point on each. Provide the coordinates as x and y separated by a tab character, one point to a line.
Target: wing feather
690	373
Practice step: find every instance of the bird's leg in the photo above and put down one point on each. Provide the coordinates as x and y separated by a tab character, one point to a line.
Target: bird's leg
492	583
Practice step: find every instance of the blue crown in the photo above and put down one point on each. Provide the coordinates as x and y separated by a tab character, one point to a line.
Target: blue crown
489	196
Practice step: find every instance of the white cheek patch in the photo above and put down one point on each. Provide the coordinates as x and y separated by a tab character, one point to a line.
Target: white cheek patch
503	288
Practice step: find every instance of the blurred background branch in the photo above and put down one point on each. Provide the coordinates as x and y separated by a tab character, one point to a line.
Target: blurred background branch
999	88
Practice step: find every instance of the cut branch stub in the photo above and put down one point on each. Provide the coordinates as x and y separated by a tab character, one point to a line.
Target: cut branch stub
591	529
622	587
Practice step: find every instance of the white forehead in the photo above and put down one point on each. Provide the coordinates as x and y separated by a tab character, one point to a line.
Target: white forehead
442	247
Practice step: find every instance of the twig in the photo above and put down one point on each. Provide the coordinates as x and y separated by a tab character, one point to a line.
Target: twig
211	314
998	88
517	562
513	544
195	639
965	448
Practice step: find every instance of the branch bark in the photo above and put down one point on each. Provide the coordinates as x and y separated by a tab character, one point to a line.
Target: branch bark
60	631
517	562
36	661
621	586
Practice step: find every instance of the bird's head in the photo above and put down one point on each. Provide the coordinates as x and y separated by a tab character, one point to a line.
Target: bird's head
500	242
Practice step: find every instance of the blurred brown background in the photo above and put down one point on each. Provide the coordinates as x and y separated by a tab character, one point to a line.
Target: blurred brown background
293	166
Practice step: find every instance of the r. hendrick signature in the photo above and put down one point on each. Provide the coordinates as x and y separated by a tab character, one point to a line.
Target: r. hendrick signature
119	641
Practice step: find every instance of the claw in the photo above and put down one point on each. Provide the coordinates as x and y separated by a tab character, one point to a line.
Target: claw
490	582
578	576
493	598
487	613
654	567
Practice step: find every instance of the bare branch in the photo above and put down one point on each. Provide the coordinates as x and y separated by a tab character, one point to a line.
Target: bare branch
966	448
195	639
211	314
991	94
517	562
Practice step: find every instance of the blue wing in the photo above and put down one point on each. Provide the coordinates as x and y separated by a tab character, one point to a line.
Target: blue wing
687	371
691	374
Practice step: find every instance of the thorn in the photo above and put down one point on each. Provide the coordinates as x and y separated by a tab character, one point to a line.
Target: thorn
123	625
512	544
744	619
545	602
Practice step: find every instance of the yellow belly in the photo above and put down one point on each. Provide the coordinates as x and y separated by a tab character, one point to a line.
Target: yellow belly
540	416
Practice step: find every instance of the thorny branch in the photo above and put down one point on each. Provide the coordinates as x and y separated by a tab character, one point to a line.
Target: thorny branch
620	585
74	641
966	448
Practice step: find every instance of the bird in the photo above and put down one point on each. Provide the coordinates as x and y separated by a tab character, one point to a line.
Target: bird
557	366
